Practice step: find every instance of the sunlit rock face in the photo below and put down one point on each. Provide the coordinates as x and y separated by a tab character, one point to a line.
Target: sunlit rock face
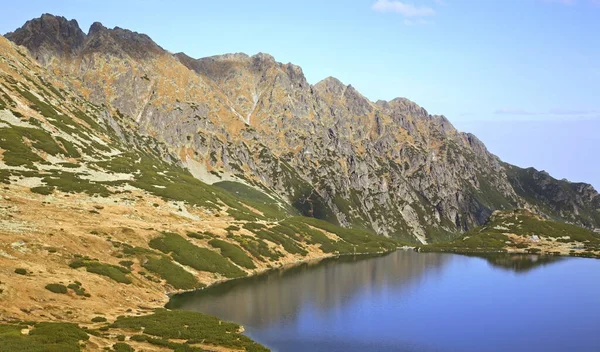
324	148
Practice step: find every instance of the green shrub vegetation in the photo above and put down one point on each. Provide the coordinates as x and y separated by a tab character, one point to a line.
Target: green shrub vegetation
490	237
122	347
79	291
270	207
191	326
197	236
287	243
233	252
43	190
56	288
256	247
489	242
71	183
117	273
129	250
351	241
198	258
70	149
126	263
244	215
98	319
172	273
165	343
20	271
44	337
16	152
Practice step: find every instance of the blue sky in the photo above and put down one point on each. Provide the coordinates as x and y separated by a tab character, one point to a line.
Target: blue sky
523	75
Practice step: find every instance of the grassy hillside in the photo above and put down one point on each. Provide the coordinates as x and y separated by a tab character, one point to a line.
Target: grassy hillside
522	231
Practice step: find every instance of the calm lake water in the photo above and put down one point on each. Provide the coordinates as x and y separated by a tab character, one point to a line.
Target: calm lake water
408	301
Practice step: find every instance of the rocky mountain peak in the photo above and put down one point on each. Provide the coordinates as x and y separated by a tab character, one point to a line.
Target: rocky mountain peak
120	42
331	84
264	57
403	106
95	28
49	36
337	93
52	36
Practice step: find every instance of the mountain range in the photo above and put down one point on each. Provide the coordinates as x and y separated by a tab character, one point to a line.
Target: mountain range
323	149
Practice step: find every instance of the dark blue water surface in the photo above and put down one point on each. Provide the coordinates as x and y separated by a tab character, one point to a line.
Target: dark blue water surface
408	301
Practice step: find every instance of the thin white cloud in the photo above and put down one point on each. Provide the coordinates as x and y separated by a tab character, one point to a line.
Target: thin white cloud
403	9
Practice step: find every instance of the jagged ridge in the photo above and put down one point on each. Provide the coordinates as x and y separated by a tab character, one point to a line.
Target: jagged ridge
324	149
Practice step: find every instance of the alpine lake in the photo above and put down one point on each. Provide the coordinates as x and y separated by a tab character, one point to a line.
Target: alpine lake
409	301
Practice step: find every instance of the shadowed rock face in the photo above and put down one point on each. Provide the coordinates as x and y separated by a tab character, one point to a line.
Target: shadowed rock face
49	36
54	36
326	149
578	203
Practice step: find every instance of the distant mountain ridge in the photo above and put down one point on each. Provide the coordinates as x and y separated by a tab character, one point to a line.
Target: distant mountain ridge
323	149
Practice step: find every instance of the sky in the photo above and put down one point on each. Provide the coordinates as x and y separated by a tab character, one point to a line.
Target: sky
522	75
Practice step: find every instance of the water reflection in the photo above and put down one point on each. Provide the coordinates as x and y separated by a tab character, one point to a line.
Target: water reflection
408	301
279	296
519	263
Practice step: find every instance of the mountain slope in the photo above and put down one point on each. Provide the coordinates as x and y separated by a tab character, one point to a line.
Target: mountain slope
520	231
95	216
323	149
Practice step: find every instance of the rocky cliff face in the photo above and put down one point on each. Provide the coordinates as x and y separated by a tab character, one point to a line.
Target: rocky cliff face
324	149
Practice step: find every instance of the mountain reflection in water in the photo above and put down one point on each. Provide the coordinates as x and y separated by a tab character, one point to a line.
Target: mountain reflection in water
280	294
520	263
409	301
